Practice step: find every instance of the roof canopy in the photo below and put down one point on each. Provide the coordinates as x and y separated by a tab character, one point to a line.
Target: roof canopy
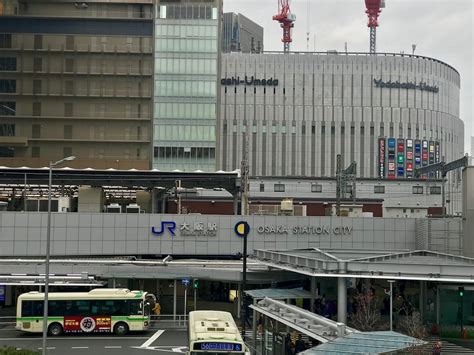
405	265
279	293
229	181
366	343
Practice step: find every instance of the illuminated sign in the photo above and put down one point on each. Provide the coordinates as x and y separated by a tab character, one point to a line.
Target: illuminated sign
248	81
409	155
217	346
382	158
409	166
400	158
398	85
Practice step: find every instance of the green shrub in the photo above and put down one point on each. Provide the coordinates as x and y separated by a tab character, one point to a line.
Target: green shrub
13	351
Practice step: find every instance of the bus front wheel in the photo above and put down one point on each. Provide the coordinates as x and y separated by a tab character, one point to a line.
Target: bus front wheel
55	329
121	328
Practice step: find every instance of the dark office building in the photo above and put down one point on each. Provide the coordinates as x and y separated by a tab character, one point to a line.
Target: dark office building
241	34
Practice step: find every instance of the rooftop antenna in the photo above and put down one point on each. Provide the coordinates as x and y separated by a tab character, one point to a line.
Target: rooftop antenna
307	25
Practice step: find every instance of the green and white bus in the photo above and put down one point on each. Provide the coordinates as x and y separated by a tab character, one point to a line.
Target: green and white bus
102	310
214	333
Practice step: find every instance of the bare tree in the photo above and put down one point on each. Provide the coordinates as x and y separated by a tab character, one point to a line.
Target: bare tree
413	326
367	314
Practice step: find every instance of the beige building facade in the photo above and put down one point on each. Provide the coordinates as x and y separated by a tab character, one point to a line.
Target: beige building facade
76	79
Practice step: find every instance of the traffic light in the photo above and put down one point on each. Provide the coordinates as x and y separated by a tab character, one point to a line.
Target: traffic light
461	291
196	283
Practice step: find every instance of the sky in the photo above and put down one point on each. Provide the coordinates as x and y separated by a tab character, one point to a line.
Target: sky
441	29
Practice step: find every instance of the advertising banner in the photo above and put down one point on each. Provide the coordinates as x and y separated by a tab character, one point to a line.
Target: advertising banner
431	156
382	158
417	154
78	324
391	157
401	158
409	158
437	156
424	153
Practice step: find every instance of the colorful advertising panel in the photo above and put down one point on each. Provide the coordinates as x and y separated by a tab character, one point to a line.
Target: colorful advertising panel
431	156
417	154
437	156
382	158
424	153
391	157
409	158
87	324
401	158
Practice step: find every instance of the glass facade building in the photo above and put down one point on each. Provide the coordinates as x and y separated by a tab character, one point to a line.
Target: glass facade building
185	99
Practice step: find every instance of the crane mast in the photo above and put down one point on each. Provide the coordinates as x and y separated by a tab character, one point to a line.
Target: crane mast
286	20
373	9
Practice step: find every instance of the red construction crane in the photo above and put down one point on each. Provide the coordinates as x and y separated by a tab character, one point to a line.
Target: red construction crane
286	20
374	8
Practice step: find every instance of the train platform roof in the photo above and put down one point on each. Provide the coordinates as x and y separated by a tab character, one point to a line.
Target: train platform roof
132	178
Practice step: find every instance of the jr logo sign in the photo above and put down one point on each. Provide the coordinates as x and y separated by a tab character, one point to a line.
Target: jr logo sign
170	225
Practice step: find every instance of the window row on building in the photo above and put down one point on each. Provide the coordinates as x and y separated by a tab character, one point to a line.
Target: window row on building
188	11
378	189
185	153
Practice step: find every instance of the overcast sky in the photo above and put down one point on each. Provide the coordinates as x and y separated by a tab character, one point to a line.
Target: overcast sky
442	29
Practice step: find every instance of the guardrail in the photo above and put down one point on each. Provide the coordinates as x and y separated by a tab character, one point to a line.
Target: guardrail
170	320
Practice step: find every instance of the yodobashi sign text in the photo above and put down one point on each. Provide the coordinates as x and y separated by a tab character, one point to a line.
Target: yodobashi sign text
248	81
398	85
304	230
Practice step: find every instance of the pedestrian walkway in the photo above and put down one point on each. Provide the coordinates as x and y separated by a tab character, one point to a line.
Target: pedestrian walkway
447	347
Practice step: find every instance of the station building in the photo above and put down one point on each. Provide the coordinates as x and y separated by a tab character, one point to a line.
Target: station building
146	85
428	258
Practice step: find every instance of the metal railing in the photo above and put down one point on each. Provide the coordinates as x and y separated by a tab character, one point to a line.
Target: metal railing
169	320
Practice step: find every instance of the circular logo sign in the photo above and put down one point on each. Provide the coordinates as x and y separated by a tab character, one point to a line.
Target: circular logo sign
242	228
87	324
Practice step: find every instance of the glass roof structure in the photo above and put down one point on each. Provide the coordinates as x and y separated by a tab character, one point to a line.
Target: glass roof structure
366	343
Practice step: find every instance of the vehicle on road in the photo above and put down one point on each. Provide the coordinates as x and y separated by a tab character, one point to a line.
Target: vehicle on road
213	333
102	310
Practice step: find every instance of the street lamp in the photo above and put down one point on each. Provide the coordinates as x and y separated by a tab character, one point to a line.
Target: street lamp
48	243
391	303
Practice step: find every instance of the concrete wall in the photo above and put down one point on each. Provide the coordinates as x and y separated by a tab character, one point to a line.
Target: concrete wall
468	211
24	234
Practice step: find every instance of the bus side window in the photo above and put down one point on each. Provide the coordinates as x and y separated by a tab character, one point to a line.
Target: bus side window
134	307
56	308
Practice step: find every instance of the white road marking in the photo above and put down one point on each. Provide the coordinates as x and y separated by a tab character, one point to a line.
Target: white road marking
48	348
71	338
79	347
152	339
165	348
113	347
